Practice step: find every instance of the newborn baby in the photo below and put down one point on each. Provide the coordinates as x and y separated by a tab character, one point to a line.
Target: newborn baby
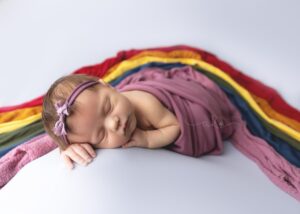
178	109
101	117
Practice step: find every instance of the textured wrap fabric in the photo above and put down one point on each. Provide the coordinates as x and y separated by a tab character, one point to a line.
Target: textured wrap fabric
207	117
13	161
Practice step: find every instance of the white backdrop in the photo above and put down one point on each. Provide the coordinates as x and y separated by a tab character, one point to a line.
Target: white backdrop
43	40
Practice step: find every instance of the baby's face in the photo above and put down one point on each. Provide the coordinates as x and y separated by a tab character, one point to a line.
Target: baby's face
101	118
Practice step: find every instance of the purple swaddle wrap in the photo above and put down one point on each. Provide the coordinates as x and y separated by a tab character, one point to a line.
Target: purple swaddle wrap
207	118
204	113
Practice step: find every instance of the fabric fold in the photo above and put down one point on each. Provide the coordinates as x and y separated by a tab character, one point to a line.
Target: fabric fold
13	161
207	118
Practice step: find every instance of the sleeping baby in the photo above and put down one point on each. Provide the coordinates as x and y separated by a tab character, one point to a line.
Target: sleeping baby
82	113
175	108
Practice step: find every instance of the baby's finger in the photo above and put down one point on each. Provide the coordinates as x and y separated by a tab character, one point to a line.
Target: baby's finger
89	149
76	157
128	144
68	161
82	153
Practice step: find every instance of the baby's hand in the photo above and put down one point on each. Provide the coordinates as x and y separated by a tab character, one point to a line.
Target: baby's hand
138	139
79	153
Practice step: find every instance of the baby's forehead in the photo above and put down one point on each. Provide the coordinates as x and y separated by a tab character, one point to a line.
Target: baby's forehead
88	101
95	95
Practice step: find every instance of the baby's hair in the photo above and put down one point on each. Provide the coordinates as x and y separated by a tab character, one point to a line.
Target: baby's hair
60	90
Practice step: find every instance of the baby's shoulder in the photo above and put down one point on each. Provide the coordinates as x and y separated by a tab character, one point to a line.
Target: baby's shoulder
152	109
142	97
139	100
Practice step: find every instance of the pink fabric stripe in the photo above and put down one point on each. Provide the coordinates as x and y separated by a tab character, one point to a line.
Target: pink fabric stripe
14	160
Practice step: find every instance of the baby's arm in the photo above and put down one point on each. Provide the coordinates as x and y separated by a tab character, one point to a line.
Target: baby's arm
162	137
168	128
165	122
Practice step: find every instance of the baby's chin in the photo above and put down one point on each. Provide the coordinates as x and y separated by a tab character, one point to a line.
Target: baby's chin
131	131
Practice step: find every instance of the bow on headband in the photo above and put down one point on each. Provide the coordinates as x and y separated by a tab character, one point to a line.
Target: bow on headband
62	111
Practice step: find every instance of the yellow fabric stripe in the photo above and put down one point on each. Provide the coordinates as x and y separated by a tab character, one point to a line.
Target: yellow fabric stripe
11	126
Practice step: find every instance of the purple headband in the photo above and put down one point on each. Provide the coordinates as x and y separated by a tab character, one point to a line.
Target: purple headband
62	109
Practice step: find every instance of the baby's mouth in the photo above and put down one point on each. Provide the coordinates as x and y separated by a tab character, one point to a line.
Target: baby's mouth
129	129
125	126
128	123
